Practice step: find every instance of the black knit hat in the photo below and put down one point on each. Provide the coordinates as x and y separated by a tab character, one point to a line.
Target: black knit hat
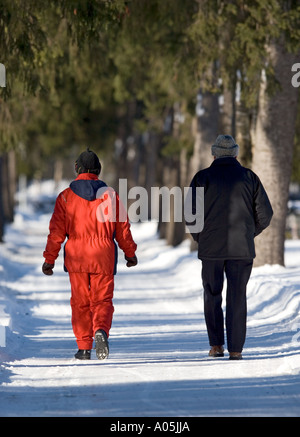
88	162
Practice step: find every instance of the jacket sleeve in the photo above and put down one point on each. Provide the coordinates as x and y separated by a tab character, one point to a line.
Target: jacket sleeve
57	228
123	233
263	211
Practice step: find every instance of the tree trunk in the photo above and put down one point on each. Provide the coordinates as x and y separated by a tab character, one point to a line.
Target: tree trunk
151	149
9	185
273	151
174	229
174	169
228	114
205	131
58	172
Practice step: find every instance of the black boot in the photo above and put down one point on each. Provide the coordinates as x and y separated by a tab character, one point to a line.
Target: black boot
102	349
83	354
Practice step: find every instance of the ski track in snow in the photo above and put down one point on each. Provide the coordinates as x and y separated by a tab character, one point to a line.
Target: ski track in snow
158	364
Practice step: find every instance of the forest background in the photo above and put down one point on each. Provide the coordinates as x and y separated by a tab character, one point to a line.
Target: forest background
148	85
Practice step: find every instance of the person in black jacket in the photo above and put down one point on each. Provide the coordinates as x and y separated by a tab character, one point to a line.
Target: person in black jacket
236	209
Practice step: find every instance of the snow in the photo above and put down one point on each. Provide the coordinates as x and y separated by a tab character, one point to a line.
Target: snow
158	364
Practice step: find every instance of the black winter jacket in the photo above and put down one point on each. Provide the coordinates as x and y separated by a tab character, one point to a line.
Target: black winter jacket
236	209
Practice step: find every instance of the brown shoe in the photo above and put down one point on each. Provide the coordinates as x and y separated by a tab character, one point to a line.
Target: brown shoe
216	351
235	356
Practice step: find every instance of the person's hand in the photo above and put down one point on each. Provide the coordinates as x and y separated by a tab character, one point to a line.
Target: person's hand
47	269
131	261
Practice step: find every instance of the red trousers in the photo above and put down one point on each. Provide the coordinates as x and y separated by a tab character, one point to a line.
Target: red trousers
92	307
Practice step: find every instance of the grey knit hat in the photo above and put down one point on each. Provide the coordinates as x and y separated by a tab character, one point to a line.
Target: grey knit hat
224	146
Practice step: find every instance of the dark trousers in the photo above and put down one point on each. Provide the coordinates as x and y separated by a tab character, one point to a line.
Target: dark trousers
237	274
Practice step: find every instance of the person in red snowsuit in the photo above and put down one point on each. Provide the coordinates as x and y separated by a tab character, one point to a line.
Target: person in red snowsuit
88	214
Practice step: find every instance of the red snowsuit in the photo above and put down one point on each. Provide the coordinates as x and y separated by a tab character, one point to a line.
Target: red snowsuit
91	224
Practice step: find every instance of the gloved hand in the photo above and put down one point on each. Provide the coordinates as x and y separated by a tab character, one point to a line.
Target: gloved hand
47	269
131	261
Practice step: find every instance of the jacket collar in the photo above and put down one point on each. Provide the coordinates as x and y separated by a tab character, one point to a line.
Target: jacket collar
87	177
227	160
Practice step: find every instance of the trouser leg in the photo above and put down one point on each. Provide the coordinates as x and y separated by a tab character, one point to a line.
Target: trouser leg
237	274
81	313
212	278
101	295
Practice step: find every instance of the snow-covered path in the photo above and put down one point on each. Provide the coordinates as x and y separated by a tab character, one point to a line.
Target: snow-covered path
158	364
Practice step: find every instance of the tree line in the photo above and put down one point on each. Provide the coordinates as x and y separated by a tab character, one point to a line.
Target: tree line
148	85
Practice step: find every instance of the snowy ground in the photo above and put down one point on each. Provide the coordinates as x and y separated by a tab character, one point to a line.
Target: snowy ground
158	364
